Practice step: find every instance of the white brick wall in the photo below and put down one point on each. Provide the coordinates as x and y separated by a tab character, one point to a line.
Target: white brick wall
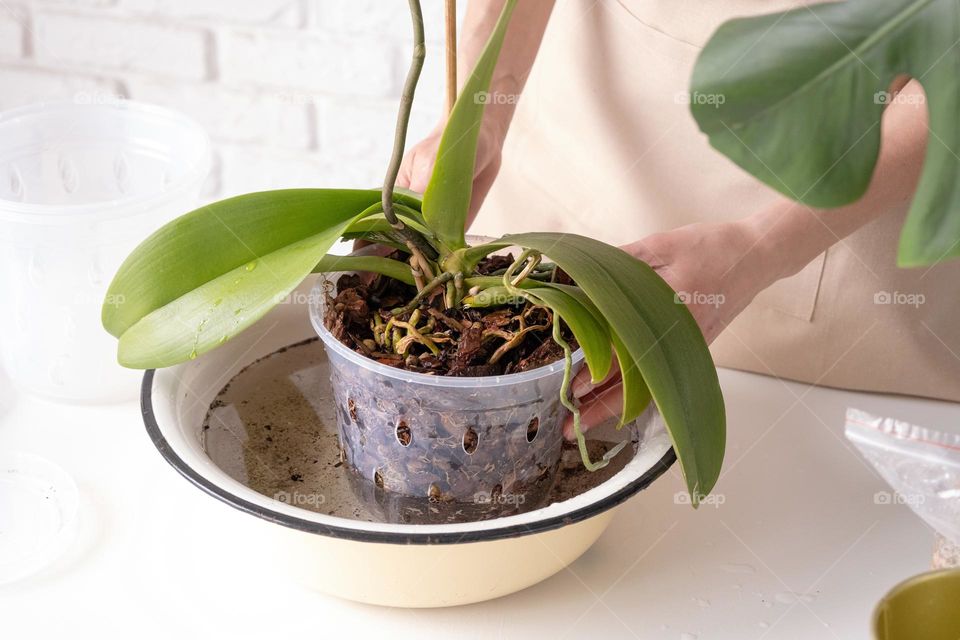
13	33
292	92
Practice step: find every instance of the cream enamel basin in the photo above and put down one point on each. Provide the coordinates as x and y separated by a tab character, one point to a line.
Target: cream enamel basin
400	565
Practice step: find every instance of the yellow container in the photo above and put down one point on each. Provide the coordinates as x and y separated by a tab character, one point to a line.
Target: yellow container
924	607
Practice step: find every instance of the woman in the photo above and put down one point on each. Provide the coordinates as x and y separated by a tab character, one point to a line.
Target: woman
603	144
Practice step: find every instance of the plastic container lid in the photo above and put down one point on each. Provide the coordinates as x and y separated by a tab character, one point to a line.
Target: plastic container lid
38	514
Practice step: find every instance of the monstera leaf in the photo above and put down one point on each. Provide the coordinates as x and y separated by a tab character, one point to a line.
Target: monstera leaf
795	98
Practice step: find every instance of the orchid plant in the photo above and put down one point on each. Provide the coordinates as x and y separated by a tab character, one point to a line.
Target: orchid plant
206	276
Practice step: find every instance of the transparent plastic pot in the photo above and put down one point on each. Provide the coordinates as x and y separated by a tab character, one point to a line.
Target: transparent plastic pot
80	187
481	446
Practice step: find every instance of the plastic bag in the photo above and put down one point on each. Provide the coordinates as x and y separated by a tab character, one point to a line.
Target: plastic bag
922	465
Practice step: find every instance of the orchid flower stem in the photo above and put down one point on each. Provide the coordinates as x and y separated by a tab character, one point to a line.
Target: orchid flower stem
403	116
414	241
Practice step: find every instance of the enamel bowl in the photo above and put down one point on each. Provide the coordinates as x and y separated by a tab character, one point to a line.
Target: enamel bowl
373	562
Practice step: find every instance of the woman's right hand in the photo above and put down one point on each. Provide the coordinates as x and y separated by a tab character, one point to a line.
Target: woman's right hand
417	166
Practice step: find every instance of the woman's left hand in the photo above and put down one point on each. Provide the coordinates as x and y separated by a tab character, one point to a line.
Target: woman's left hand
716	270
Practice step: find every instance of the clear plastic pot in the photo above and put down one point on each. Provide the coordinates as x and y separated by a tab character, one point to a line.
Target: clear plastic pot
485	444
81	186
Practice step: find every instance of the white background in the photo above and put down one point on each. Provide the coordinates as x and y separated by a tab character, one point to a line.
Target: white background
293	92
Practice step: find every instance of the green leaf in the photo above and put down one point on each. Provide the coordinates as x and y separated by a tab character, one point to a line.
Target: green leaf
495	296
376	237
592	334
446	200
638	397
212	240
590	330
210	314
795	98
377	223
408	197
169	286
373	264
659	338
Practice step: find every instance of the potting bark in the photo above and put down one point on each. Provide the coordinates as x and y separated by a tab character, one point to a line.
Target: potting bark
470	342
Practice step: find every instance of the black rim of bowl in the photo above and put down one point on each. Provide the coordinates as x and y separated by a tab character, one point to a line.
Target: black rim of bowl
389	537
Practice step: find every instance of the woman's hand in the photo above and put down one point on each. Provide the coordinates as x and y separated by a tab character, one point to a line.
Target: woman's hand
716	270
417	166
719	268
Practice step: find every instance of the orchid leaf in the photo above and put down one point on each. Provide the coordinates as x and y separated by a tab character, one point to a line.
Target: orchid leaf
212	240
592	334
267	241
212	313
495	296
638	397
446	201
372	264
378	223
659	338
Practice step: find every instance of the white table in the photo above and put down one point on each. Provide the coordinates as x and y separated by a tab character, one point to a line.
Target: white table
798	549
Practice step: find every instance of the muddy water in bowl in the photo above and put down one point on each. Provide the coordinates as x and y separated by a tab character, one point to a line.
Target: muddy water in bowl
273	428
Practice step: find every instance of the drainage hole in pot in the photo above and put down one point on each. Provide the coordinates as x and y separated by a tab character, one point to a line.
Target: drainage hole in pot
470	441
403	434
533	428
352	408
378	478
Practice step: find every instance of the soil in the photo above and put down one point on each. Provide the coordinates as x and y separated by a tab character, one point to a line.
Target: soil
469	342
273	428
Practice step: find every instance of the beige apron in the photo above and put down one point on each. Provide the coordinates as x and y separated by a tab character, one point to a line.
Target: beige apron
603	144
